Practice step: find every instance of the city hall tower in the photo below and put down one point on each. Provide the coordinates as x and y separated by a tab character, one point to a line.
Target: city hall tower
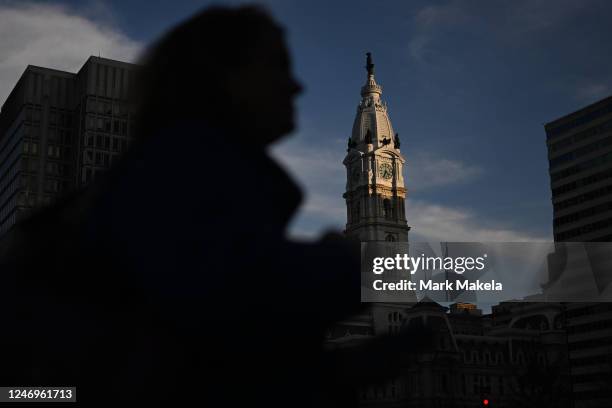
375	190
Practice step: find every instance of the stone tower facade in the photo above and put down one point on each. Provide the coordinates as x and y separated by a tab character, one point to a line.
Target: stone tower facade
375	190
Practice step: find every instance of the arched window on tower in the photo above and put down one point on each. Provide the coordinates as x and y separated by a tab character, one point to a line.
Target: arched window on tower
387	211
390	238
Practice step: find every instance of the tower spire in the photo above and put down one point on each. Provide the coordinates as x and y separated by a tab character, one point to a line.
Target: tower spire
370	87
375	191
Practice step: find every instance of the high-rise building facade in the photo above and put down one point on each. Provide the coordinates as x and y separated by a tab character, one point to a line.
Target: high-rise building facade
580	166
580	163
58	129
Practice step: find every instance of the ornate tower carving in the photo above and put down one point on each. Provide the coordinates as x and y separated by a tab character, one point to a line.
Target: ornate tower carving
375	191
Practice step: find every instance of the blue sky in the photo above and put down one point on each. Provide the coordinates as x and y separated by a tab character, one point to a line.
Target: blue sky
469	86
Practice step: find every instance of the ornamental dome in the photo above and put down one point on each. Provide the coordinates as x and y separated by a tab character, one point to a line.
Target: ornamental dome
372	125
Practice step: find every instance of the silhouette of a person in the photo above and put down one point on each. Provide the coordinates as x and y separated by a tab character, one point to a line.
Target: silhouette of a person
170	279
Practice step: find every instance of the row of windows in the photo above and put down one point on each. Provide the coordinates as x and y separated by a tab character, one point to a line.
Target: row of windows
582	198
58	152
592	360
59	135
31	199
578	215
111	81
57	169
591	343
585	181
89	173
585	229
55	135
53	151
588	327
33	115
578	168
60	118
580	136
412	385
115	126
26	199
589	310
28	182
101	159
115	144
593	147
55	185
51	168
602	378
579	121
603	392
30	148
31	131
479	357
107	108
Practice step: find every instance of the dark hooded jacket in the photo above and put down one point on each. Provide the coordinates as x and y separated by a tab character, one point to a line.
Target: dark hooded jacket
172	280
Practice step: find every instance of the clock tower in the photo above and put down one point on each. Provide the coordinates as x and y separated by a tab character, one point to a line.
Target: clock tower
375	191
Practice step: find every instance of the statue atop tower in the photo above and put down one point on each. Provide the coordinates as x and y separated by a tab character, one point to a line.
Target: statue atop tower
369	64
375	191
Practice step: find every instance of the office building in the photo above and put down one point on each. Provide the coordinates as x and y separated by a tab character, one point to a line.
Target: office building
580	166
58	130
580	163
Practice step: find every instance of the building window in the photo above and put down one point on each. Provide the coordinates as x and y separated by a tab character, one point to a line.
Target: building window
53	151
387	213
52	185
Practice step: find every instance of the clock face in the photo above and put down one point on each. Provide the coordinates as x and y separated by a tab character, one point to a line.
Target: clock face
385	171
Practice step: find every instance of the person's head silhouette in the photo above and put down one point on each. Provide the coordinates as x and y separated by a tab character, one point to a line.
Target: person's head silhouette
226	66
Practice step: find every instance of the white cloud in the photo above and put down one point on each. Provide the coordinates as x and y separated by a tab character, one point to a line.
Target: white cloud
593	91
322	175
320	172
426	170
56	37
433	222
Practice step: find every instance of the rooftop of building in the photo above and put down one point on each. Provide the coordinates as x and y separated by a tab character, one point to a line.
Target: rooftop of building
578	117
